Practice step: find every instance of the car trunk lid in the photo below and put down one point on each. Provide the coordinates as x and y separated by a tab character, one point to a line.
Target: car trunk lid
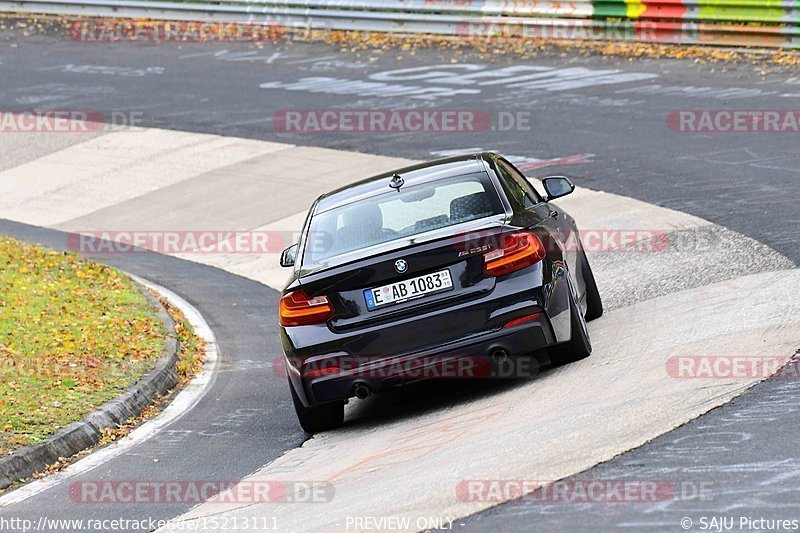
458	250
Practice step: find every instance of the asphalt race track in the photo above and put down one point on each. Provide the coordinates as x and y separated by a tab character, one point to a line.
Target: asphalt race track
726	285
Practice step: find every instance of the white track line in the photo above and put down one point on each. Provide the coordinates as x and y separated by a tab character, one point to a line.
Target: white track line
182	404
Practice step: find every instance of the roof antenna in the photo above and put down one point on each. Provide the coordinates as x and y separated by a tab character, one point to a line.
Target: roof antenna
397	182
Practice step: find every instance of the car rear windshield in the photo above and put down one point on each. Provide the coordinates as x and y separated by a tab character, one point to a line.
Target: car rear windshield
392	215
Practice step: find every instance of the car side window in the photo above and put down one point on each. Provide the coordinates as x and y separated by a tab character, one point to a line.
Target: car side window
517	187
523	181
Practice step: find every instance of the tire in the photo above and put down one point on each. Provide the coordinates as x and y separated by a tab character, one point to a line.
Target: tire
318	418
579	346
594	305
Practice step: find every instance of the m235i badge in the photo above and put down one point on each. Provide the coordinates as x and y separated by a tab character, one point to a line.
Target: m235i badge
476	250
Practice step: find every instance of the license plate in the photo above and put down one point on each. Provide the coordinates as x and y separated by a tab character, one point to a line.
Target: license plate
409	289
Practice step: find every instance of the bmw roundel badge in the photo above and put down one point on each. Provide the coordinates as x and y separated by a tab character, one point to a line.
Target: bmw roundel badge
400	265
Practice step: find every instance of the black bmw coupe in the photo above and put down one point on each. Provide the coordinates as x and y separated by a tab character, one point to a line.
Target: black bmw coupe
435	270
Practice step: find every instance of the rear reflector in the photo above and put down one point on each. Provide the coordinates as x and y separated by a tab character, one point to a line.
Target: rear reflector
321	371
518	321
297	309
519	250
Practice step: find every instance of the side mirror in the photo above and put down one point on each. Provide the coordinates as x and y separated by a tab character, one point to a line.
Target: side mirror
288	256
557	186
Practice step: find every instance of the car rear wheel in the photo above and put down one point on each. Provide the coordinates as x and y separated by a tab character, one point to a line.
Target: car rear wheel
594	305
579	346
320	417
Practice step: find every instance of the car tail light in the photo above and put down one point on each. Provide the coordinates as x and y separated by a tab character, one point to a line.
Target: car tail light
297	309
518	250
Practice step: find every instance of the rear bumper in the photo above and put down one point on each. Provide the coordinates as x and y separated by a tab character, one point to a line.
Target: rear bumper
430	333
334	377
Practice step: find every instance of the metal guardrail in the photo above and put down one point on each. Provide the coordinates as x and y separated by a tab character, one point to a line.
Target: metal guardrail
761	23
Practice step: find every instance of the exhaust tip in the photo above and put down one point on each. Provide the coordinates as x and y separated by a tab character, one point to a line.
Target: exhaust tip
362	391
498	356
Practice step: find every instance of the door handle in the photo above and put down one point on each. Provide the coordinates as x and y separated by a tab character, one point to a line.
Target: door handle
554	213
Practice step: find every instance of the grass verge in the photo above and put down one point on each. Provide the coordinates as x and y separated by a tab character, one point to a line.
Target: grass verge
73	334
